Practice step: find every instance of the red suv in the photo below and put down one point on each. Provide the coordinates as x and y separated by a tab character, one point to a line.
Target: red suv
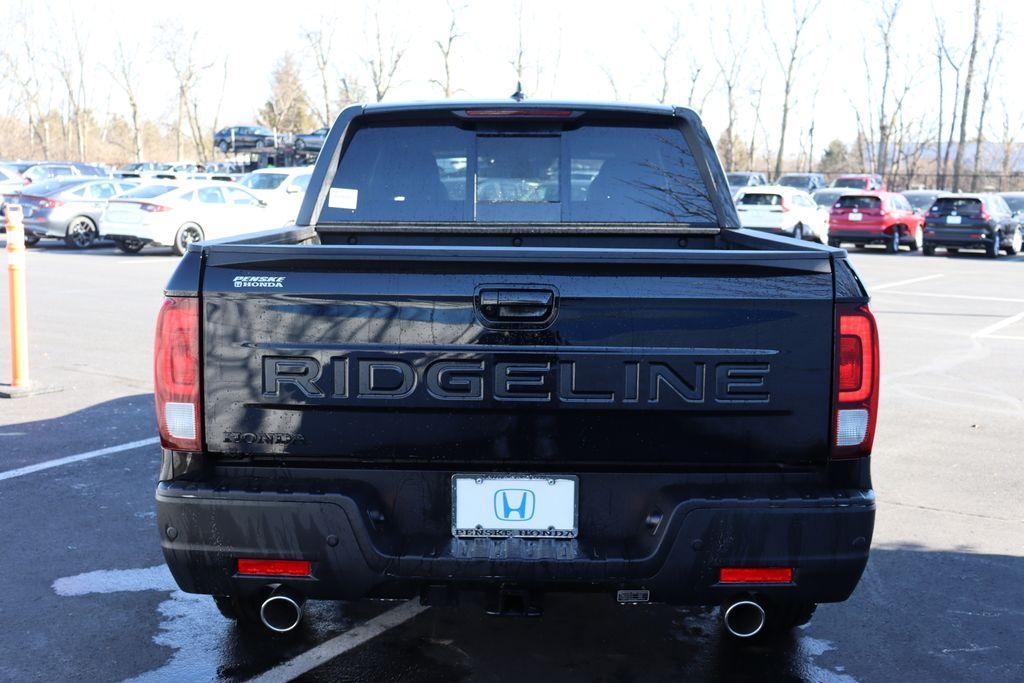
875	218
861	181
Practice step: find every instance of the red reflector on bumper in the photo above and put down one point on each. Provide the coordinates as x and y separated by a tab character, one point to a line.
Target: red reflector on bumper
274	567
755	575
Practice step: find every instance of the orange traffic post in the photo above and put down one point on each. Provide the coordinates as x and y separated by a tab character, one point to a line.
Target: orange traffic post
20	384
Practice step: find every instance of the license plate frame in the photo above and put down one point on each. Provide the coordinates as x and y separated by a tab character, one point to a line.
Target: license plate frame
954	220
469	520
856	216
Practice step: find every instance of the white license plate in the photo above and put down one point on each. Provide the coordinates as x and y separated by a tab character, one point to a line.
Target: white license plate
953	220
531	506
855	216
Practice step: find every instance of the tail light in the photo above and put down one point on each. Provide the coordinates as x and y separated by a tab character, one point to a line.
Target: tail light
176	375
755	575
273	567
856	381
153	208
784	205
48	203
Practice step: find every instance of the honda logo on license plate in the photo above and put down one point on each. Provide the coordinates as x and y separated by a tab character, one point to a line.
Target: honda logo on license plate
514	504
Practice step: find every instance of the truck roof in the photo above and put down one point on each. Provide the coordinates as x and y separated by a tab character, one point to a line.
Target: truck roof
436	105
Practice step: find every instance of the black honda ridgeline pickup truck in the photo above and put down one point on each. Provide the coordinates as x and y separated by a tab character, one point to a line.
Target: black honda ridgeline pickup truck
510	349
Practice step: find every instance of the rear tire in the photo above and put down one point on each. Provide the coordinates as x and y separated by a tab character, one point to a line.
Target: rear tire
31	240
223	147
993	248
798	231
952	251
129	246
187	234
915	244
81	233
833	243
893	245
928	250
787	616
233	608
1014	247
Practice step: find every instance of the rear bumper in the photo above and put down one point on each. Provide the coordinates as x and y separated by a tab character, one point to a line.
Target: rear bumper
964	238
657	532
865	235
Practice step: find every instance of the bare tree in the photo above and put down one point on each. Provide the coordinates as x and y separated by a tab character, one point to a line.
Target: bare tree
180	49
383	65
986	92
664	53
445	46
23	64
126	77
69	61
1010	150
730	70
320	42
886	25
757	95
788	56
956	64
611	81
958	159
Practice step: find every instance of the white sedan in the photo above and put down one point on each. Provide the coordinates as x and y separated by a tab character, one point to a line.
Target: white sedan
281	188
176	214
783	210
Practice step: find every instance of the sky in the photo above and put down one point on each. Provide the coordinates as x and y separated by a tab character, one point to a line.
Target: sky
572	47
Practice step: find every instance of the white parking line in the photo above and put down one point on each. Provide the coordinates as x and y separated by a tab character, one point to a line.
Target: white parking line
995	327
900	283
953	296
328	650
29	469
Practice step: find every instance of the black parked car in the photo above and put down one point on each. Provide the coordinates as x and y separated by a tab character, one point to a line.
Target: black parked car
311	142
234	138
808	182
971	221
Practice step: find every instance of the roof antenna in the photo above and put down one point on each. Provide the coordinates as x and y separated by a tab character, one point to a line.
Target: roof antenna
518	95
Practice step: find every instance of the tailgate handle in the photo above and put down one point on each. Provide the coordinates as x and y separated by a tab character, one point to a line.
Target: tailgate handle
510	305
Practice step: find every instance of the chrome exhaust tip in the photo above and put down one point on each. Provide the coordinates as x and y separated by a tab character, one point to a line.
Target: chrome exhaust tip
744	618
281	611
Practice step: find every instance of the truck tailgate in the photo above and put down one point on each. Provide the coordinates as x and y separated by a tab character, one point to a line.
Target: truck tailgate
540	358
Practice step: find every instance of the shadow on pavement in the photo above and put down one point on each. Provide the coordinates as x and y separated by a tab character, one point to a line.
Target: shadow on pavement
917	615
101	425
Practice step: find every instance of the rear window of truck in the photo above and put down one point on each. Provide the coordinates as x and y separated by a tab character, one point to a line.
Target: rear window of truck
519	174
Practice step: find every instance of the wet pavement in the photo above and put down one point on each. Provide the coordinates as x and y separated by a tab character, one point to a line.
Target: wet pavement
88	596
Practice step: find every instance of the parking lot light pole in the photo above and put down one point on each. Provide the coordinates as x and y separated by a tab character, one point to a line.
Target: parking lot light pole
20	384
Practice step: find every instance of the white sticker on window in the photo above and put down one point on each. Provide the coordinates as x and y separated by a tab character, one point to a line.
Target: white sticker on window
342	198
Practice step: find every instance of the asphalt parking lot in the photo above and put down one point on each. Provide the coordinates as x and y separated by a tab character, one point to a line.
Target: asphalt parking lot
88	597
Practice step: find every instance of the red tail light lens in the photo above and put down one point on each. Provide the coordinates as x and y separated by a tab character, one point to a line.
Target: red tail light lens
274	567
176	375
856	382
519	112
755	575
153	208
48	203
